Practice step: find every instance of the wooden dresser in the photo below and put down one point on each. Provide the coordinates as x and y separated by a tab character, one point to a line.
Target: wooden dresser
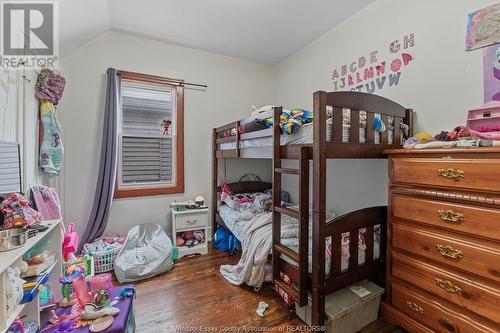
443	262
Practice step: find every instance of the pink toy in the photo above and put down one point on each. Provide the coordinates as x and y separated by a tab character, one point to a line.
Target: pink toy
82	290
70	243
101	282
485	116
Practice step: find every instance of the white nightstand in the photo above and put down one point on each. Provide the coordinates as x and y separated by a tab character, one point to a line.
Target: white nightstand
190	220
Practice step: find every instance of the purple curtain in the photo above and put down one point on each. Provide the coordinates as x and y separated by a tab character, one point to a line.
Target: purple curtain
106	180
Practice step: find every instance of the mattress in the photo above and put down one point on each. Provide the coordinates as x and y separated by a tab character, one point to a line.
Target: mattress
230	217
304	135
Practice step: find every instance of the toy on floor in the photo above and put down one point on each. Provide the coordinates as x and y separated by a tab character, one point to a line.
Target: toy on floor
70	243
81	290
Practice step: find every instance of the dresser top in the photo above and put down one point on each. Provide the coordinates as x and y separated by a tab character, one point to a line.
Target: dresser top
475	150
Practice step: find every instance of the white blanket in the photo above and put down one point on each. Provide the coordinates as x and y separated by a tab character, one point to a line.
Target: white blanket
257	245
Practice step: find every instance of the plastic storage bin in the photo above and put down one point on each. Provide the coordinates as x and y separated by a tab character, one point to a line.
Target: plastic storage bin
30	293
348	311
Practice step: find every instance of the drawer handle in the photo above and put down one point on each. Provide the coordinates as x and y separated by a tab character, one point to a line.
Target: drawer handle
447	324
449	287
448	251
191	222
451	173
415	307
450	216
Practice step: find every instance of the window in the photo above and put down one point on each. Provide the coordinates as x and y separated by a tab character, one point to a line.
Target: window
151	152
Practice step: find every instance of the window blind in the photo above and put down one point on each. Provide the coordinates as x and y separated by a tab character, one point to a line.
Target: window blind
144	108
10	168
147	154
146	160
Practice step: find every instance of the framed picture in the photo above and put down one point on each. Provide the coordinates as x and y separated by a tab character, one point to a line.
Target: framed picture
492	73
483	28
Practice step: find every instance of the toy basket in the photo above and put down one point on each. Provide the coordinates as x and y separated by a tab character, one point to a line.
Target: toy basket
103	261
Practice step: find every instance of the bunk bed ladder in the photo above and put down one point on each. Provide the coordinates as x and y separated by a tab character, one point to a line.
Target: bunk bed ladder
298	262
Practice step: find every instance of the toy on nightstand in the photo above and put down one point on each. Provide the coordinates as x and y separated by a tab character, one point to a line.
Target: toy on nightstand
81	290
70	243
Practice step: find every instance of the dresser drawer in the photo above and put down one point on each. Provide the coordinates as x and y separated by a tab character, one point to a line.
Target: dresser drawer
433	314
481	298
473	220
479	258
475	174
191	221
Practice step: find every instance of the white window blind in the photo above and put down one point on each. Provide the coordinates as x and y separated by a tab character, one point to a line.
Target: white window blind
10	170
147	153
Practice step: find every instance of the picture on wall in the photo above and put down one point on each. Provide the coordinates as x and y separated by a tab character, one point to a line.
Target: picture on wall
483	28
492	73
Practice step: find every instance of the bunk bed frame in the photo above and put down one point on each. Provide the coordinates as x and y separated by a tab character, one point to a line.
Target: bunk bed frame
322	148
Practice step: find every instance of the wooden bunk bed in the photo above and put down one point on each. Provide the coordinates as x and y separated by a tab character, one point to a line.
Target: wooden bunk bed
295	265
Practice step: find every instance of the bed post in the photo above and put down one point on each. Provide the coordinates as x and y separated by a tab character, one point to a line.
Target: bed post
319	209
215	180
409	121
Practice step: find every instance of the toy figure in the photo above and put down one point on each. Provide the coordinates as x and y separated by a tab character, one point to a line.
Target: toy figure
166	126
70	243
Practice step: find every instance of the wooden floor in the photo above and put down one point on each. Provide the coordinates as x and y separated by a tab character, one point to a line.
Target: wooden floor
193	297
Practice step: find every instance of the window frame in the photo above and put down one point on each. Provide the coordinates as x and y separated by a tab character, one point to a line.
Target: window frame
157	189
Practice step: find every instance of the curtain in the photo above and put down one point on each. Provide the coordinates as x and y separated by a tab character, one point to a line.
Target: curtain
106	178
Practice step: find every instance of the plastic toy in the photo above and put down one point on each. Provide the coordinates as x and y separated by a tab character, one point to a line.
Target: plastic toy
101	298
81	290
101	282
127	292
70	243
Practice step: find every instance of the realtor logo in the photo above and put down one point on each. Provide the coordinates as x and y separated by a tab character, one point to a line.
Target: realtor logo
29	36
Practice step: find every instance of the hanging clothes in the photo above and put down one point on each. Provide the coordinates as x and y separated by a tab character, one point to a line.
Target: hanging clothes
47	202
51	146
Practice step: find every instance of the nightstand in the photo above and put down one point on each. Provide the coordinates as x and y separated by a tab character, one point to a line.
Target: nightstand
190	220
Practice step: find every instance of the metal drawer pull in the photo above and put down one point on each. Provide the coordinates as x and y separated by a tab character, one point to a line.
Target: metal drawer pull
447	324
415	307
448	251
451	173
449	287
450	216
193	221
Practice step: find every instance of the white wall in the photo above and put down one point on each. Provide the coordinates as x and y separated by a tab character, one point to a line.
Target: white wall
19	121
233	87
440	84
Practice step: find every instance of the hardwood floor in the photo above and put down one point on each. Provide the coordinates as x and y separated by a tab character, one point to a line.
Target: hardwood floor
193	297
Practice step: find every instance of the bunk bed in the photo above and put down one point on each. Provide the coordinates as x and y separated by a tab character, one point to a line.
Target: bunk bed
327	138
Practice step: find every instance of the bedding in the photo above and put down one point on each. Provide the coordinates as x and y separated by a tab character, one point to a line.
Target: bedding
304	135
290	237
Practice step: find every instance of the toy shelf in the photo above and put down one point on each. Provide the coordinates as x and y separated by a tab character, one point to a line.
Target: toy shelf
32	309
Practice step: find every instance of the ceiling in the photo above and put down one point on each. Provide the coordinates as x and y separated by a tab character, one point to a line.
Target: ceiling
264	31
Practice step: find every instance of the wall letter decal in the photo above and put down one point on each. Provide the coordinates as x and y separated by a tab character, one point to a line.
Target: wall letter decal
380	68
396	65
370	87
394	79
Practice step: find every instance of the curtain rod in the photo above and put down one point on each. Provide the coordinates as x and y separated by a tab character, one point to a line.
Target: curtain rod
154	78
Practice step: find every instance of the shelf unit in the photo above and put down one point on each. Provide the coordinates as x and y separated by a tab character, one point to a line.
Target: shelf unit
32	309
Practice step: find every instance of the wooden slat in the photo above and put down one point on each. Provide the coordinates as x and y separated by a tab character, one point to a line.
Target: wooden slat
237	139
276	190
384	139
353	248
288	171
369	245
215	182
226	139
292	292
285	250
336	267
354	135
397	131
338	116
226	127
287	211
304	225
370	132
319	205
